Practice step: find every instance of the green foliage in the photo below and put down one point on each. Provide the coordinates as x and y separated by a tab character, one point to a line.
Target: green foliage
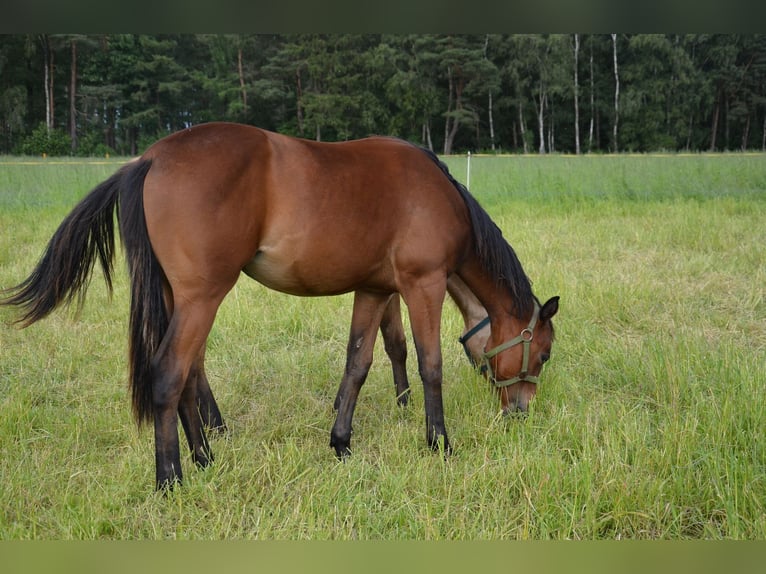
450	92
92	145
43	141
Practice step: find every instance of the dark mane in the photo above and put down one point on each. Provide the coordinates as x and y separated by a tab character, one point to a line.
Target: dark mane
497	257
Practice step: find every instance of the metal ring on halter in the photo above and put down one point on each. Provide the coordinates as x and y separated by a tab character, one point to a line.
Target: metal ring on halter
524	333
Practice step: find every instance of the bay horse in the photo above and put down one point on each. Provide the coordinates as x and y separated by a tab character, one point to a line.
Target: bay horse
376	217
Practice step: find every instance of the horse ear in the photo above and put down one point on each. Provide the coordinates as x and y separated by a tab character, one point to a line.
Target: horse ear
550	308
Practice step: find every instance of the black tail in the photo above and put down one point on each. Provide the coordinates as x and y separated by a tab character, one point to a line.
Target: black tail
148	314
495	254
65	269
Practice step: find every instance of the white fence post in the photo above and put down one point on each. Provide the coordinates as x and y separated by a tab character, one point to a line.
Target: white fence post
468	173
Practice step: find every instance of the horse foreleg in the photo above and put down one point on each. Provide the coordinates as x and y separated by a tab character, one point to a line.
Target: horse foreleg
395	343
367	314
424	300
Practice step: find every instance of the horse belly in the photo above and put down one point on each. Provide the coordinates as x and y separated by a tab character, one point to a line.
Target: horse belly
273	274
309	277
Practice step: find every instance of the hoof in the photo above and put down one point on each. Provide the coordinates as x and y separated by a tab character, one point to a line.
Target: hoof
167	485
203	461
219	430
342	447
439	443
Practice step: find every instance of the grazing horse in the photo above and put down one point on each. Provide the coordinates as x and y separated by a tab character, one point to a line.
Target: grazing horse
376	217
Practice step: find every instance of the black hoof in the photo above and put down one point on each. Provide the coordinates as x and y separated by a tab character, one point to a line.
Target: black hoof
342	447
203	461
440	443
219	430
167	485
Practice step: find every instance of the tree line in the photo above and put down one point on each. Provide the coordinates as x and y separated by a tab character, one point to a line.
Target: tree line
72	94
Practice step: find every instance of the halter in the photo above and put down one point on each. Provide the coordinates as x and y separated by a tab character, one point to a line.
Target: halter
464	339
525	338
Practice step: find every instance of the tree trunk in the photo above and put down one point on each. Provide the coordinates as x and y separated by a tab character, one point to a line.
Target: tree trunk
541	118
726	123
242	82
427	135
522	129
514	137
299	102
746	133
456	87
592	101
489	105
763	136
447	124
576	94
72	98
714	127
616	94
47	80
451	137
690	131
491	124
551	127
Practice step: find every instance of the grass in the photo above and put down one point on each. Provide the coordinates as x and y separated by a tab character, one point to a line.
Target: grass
648	422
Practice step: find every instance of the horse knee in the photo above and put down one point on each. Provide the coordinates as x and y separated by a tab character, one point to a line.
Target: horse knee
431	374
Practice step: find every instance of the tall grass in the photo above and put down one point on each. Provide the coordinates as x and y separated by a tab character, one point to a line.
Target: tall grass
648	422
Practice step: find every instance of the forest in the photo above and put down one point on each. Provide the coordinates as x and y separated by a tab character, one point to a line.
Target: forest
85	95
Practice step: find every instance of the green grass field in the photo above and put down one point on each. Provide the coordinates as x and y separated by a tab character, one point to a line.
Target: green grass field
649	422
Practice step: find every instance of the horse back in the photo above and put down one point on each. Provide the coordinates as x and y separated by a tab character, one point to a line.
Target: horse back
303	217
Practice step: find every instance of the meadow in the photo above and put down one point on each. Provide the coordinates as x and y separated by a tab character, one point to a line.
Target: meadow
648	422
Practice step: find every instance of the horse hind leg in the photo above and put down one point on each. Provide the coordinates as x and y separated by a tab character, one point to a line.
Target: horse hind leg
193	423
174	390
206	403
395	343
367	314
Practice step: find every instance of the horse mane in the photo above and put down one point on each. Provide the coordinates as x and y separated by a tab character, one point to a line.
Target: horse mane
495	254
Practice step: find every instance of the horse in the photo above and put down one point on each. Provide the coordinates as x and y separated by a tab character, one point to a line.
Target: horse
377	217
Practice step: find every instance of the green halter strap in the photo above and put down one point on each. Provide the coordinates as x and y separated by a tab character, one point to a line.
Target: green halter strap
525	339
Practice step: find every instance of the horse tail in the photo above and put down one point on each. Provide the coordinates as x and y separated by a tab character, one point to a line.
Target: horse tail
64	271
148	321
66	266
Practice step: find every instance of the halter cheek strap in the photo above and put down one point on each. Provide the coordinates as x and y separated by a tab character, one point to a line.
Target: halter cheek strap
471	332
525	339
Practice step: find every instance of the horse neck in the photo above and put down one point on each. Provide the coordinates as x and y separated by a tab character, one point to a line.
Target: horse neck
470	307
496	300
